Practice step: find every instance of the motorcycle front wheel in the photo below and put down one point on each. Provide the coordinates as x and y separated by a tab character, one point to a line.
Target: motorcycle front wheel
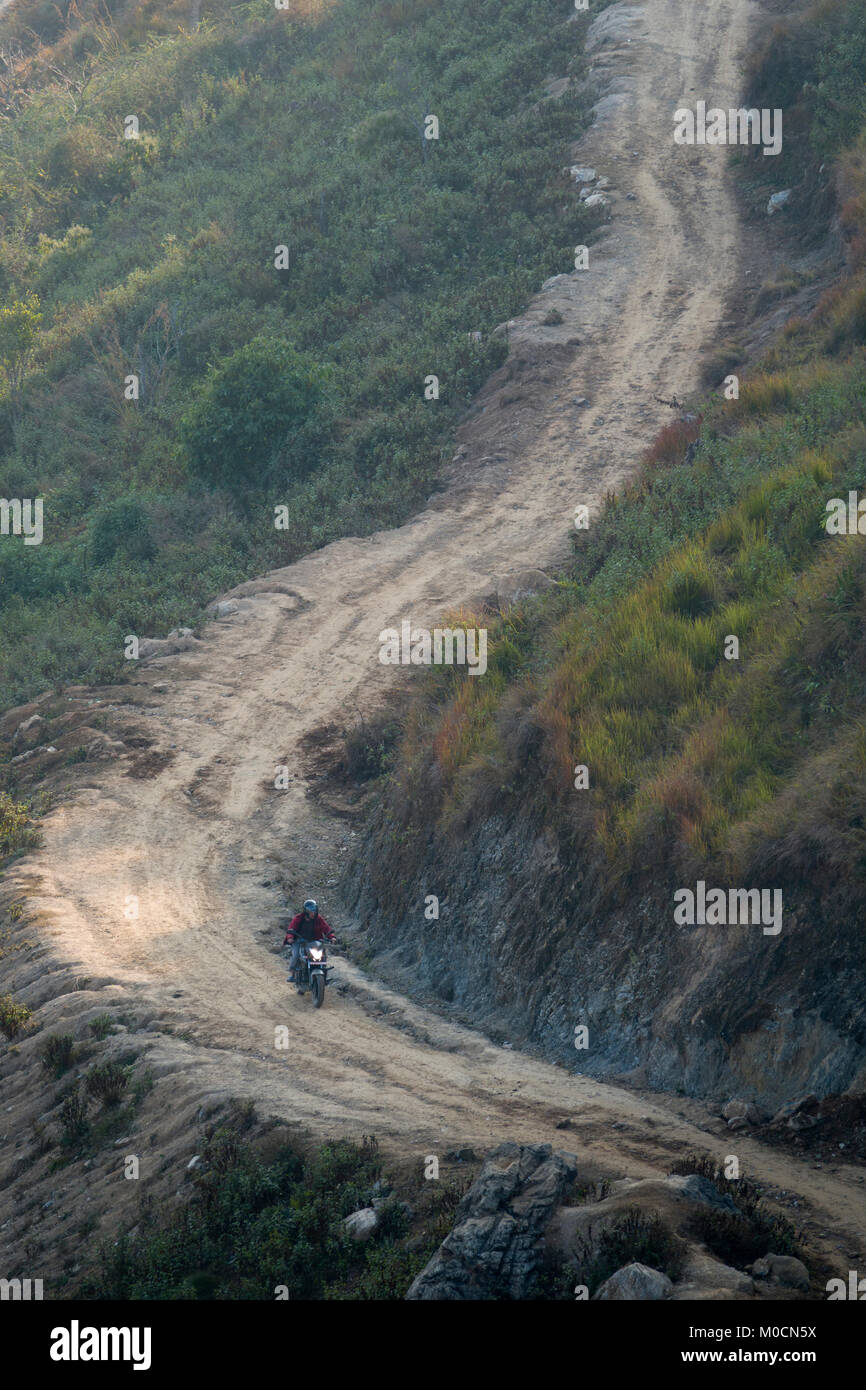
318	988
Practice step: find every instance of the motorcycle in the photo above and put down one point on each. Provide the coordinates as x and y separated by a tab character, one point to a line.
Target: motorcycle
312	971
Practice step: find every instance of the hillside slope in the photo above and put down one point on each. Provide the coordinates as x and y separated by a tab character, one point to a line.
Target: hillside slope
702	659
230	261
181	812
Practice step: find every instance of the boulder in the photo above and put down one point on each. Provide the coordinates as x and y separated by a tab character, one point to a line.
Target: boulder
802	1121
795	1107
743	1112
180	639
702	1274
520	584
556	280
783	1270
635	1282
695	1188
361	1224
778	200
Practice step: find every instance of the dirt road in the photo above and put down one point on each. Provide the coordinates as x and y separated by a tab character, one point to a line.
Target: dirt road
196	844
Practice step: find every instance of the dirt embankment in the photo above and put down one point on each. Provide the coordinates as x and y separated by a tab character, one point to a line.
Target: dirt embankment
155	895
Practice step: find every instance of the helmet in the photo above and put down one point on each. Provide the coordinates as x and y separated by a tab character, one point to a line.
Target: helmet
311	906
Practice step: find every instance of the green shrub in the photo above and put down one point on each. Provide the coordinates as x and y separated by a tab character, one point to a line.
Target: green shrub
107	1082
121	526
256	407
16	831
13	1017
83	163
74	1122
252	1225
19	324
57	1053
369	747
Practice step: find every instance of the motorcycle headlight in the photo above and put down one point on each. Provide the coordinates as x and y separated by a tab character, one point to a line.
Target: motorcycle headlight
317	955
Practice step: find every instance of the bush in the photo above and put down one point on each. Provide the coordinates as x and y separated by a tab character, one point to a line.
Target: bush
737	1241
256	407
15	830
74	1124
672	443
121	526
738	1238
82	162
369	748
107	1082
57	1053
635	1238
13	1017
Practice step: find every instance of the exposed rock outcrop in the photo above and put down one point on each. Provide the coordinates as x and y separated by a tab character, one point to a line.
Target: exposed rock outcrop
717	1012
494	1249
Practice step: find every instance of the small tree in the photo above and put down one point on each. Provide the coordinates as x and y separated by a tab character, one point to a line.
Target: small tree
15	830
121	525
19	325
257	406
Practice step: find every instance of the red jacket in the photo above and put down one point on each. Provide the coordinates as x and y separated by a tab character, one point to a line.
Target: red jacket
315	929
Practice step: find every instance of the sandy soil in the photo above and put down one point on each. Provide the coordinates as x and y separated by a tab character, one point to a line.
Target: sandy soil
202	842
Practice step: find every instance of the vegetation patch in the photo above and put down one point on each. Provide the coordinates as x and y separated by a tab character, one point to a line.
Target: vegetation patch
263	1225
215	335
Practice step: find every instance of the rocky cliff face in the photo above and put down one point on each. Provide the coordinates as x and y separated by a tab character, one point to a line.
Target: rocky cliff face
522	950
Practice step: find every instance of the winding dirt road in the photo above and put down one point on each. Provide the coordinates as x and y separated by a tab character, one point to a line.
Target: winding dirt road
198	844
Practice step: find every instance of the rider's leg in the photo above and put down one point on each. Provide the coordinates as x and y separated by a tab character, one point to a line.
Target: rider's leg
296	953
297	948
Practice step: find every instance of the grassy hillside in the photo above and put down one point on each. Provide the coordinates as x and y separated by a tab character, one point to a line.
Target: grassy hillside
748	770
265	379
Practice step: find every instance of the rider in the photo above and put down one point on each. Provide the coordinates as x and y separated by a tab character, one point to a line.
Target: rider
308	925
